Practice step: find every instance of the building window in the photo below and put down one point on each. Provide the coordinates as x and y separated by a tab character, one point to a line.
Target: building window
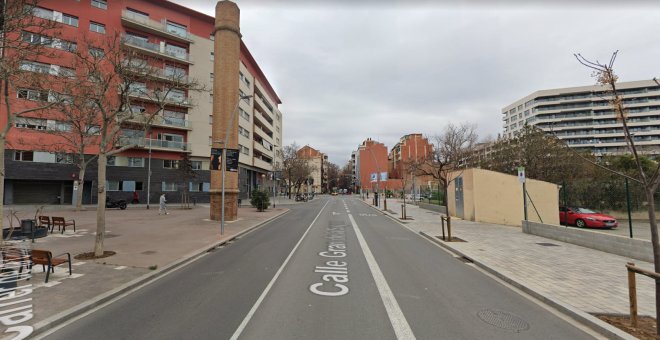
96	27
244	114
42	13
102	4
195	187
64	158
243	78
112	185
210	119
206	187
33	66
196	165
96	52
176	51
24	156
170	164
168	186
212	56
211	76
136	162
244	150
33	95
177	29
31	123
70	20
211	98
111	161
243	132
210	140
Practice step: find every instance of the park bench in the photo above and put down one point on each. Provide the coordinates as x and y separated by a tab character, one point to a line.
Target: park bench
60	222
44	221
46	258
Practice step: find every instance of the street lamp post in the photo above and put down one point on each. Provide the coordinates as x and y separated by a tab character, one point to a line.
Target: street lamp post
149	177
223	166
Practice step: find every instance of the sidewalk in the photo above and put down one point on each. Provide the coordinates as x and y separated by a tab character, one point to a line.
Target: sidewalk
147	245
589	280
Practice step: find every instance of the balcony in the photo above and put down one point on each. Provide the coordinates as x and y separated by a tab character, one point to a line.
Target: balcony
141	94
154	144
155	72
145	24
157	50
168	122
259	163
261	148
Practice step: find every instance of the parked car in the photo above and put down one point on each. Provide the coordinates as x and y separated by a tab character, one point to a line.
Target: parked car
582	217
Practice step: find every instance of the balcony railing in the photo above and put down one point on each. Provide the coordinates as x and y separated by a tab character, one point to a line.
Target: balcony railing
141	142
163	121
167	100
155	27
157	49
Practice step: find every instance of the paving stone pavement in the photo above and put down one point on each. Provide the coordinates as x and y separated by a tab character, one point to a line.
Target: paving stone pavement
590	280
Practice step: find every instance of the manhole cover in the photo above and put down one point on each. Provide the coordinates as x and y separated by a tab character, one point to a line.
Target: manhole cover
545	244
503	320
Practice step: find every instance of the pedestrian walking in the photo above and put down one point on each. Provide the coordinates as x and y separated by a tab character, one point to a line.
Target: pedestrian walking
163	205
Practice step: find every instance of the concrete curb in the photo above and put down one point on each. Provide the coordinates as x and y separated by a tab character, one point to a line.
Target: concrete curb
53	321
584	318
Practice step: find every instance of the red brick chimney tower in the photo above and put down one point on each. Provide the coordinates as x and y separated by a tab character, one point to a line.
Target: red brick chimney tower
225	99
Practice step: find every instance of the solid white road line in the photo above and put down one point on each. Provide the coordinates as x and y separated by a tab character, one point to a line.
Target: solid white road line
254	308
397	319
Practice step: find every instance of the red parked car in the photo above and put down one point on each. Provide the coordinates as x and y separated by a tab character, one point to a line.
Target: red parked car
582	217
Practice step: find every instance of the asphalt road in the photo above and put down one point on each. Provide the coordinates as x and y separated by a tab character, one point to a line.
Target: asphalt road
332	268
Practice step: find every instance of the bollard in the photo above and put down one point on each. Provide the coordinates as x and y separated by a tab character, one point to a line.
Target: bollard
632	294
442	218
448	228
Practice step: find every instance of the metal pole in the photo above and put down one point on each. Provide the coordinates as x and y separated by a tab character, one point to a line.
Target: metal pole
273	190
628	205
222	202
149	177
525	199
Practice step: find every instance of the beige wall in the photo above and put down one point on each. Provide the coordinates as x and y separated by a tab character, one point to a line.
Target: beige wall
494	197
198	116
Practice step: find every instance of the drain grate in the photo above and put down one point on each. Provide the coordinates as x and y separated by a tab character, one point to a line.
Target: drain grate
503	320
546	244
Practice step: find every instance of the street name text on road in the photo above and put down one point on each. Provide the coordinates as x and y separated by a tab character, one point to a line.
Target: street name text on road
335	272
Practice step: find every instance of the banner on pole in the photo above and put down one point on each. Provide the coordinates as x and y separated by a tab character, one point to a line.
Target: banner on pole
232	159
216	156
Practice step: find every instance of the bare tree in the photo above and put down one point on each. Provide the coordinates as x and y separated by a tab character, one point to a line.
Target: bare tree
110	79
296	170
605	76
450	151
24	37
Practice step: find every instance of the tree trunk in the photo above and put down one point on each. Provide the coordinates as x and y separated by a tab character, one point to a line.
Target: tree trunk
81	186
100	210
2	187
656	251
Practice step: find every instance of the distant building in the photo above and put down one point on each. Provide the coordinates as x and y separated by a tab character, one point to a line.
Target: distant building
319	163
412	148
583	117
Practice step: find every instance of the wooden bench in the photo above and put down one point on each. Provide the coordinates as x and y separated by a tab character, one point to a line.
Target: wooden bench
60	222
44	221
46	258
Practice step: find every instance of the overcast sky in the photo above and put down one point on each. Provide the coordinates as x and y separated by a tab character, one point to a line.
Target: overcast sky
348	70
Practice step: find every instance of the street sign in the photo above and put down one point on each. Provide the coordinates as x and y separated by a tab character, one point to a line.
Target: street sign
374	177
521	174
232	160
216	155
383	176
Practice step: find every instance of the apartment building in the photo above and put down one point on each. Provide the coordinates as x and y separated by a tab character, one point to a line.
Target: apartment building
410	150
319	164
182	39
584	119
